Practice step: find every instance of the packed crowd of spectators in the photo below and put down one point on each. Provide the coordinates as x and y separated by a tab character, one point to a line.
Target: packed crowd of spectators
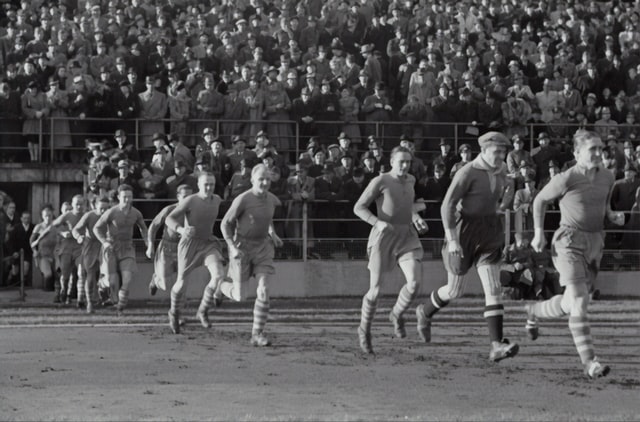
257	65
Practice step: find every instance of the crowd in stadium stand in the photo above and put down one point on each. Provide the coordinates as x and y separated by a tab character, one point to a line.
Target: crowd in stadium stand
230	76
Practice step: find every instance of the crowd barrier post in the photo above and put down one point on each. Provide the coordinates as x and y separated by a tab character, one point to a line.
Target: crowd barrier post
22	296
137	134
507	227
305	234
51	140
40	139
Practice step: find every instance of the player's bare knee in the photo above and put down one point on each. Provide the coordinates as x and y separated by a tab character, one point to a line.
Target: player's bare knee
373	293
412	285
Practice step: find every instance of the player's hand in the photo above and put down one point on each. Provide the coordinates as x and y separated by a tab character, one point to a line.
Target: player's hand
421	225
235	252
66	235
80	240
277	242
382	226
518	266
454	248
187	231
149	251
616	217
107	246
538	242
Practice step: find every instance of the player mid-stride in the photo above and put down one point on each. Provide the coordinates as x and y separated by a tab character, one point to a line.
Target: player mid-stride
392	241
193	220
584	192
248	230
474	235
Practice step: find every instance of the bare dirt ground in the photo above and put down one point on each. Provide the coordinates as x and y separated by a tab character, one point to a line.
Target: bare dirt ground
104	367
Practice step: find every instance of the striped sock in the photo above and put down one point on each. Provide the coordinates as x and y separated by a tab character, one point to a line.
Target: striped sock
404	301
368	312
260	315
88	291
176	299
581	333
434	304
81	286
123	298
494	315
207	299
551	308
57	287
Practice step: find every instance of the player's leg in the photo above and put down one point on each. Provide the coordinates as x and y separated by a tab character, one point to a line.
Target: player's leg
65	277
90	284
412	270
494	312
216	271
438	299
368	311
46	268
123	293
81	284
260	312
237	273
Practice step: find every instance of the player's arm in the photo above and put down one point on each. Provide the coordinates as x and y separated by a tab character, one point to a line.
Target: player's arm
416	219
616	217
100	228
62	221
143	228
155	225
552	191
228	226
176	220
361	207
458	188
80	229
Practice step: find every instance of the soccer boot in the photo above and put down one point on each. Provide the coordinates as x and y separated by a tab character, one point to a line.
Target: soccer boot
364	338
203	317
56	298
532	324
423	324
89	307
217	301
119	309
502	350
259	340
595	369
398	325
174	322
63	297
153	289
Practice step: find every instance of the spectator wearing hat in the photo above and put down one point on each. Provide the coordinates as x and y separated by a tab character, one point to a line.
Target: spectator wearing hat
606	126
623	193
369	165
558	128
517	156
179	104
181	176
522	201
162	159
277	106
349	109
422	83
99	60
546	101
327	188
240	152
328	110
153	108
542	155
254	97
304	111
570	97
240	181
218	161
301	190
310	35
587	81
208	104
443	106
35	108
516	268
629	154
516	112
10	122
180	151
318	163
126	106
58	104
236	112
465	153
376	108
128	150
371	64
447	157
125	177
521	90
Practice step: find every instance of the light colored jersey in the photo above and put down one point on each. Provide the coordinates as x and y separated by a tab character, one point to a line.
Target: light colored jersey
583	203
117	225
394	198
167	234
249	216
201	213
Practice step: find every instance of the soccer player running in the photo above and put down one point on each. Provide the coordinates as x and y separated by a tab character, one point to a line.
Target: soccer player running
474	235
584	192
393	240
70	251
247	228
193	220
91	248
114	230
165	260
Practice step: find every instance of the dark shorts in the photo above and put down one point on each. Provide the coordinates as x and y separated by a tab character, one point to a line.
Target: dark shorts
481	240
576	254
194	252
257	259
387	249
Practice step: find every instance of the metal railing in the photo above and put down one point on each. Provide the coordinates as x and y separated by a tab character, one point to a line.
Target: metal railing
60	134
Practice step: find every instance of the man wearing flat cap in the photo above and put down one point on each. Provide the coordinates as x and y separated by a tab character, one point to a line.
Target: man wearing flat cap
474	236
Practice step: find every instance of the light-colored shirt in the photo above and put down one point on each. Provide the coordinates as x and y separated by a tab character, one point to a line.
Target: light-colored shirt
394	199
249	216
201	213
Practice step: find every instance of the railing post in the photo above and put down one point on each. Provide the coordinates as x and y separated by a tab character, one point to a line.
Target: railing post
21	274
507	227
51	140
455	136
297	141
305	234
40	140
378	131
137	134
